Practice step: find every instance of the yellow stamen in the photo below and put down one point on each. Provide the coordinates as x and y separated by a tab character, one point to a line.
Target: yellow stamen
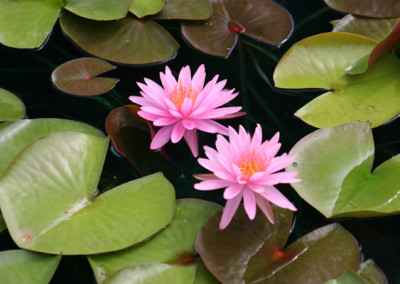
251	163
178	95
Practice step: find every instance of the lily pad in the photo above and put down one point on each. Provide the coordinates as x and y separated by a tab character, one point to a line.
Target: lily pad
349	277
15	135
174	245
27	23
186	10
21	266
141	8
371	8
3	225
377	29
319	62
128	41
253	251
371	273
11	107
131	138
337	180
48	199
262	20
101	10
79	77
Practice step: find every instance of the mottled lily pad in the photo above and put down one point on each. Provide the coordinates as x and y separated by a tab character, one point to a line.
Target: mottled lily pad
79	77
370	8
263	20
11	107
337	180
141	8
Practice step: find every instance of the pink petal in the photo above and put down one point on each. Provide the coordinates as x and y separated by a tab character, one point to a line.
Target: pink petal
265	207
165	121
202	96
191	139
155	110
230	208
232	190
186	107
280	163
185	77
282	177
198	78
257	138
212	184
249	201
204	176
168	81
274	196
188	124
209	165
148	116
216	113
161	137
222	174
177	132
256	188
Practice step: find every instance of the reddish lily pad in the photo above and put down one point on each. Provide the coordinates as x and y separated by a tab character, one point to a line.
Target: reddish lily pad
101	10
263	20
253	251
79	77
186	10
370	8
128	41
131	137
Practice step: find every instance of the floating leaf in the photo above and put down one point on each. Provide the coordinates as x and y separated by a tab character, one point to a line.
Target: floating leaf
370	272
337	180
79	77
174	245
319	62
371	8
150	273
263	20
17	134
186	10
11	107
101	10
252	252
128	41
131	138
48	199
28	23
3	225
21	266
141	8
349	277
376	29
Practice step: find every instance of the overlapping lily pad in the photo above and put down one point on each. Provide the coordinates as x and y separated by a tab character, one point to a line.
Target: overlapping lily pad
141	8
371	8
129	40
253	251
11	107
79	77
48	199
21	266
186	10
337	180
173	246
368	273
262	20
319	62
101	10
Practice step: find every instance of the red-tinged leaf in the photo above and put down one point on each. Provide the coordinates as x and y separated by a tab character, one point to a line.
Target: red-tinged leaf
370	8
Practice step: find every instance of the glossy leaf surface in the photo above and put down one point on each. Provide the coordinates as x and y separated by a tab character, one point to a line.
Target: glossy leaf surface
48	199
28	23
186	10
263	20
79	77
11	107
174	245
101	10
128	41
21	266
15	135
141	8
337	180
319	62
370	8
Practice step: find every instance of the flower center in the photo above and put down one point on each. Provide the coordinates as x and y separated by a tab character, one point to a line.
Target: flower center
178	95
251	163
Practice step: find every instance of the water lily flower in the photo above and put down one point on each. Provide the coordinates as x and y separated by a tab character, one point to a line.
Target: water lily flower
247	168
182	107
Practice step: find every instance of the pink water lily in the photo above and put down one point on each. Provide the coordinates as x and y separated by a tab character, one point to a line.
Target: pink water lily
182	107
247	168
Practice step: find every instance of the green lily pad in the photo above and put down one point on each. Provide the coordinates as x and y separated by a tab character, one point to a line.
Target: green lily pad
27	23
349	277
149	273
319	62
174	245
128	41
11	107
21	266
101	10
3	225
48	199
371	8
265	21
186	10
371	273
79	77
131	138
253	251
337	180
377	29
15	135
142	8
